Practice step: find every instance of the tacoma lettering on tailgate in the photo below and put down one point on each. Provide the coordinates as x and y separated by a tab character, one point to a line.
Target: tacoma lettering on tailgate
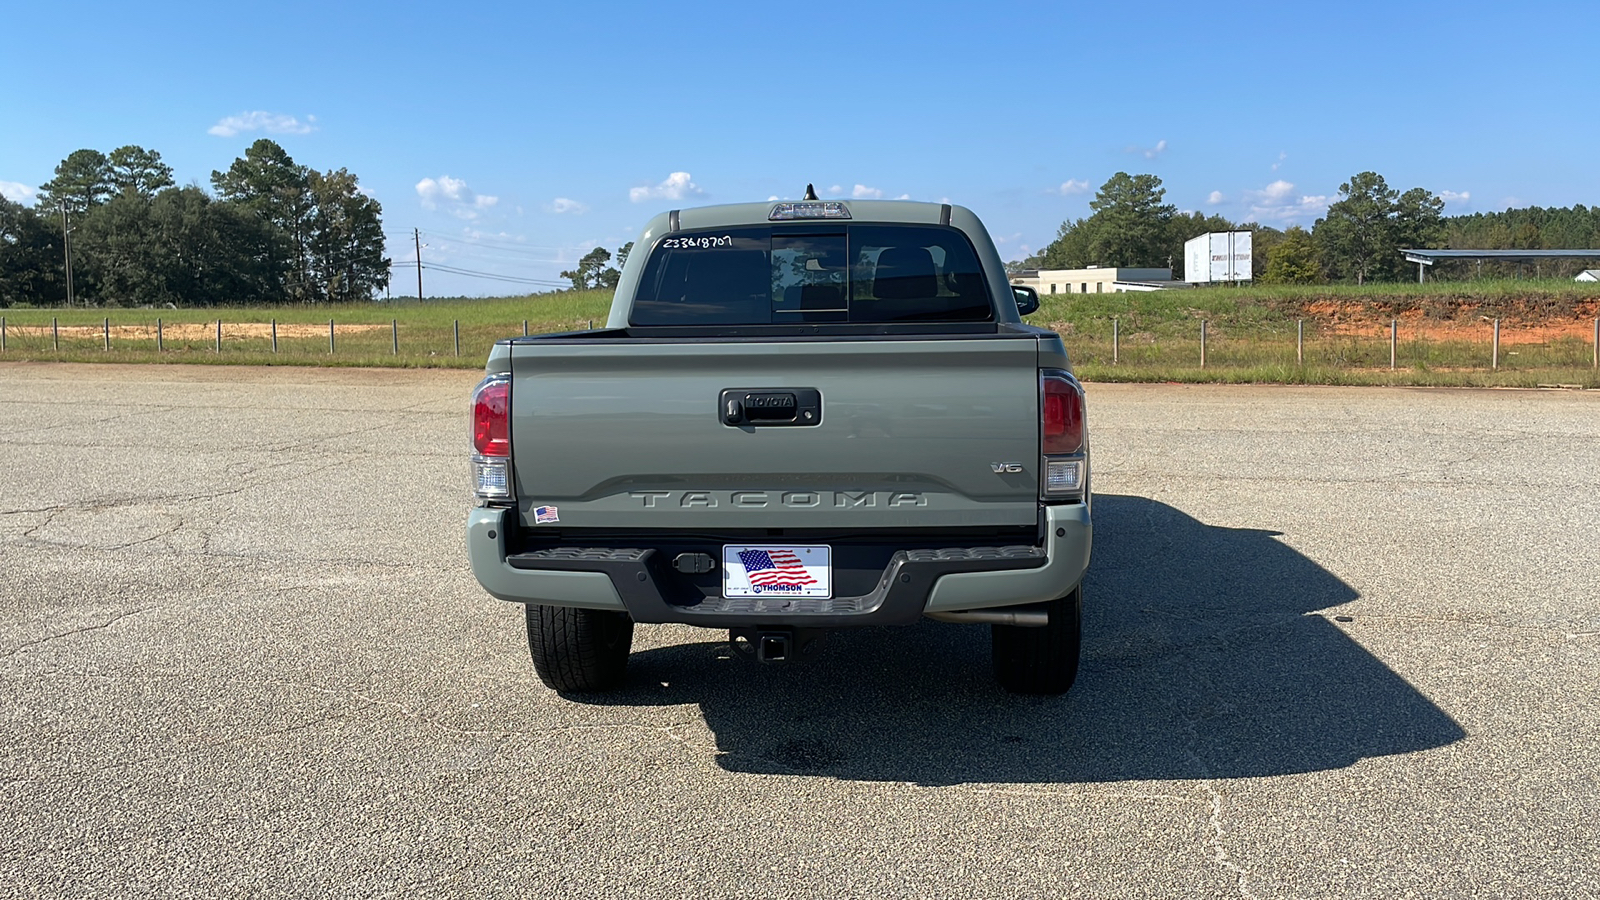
771	499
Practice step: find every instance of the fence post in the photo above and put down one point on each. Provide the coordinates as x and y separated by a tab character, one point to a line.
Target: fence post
1116	340
219	335
106	330
330	336
55	335
1300	342
158	334
2	334
1496	361
394	333
456	327
1202	343
1394	330
1597	343
524	327
274	335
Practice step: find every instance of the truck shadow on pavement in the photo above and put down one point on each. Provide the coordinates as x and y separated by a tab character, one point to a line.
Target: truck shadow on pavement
1204	657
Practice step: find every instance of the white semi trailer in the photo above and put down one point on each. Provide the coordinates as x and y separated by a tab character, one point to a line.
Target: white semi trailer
1218	256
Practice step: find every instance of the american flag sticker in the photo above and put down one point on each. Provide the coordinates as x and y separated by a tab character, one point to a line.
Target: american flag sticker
544	515
767	571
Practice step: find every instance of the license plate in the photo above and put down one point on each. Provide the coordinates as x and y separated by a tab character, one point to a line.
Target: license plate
777	570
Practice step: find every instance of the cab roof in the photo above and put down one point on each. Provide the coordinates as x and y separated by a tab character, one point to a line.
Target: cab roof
909	212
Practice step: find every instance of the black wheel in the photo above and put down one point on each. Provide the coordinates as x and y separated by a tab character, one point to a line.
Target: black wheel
1041	660
576	651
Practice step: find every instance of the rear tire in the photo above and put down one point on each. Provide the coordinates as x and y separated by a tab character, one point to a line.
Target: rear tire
578	651
1041	660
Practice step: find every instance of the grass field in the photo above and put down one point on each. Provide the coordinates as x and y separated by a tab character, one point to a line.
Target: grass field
1444	333
364	335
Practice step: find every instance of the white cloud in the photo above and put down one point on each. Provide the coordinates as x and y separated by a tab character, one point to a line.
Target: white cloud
677	186
454	197
903	197
1149	152
1214	198
1277	190
862	192
772	198
1277	202
1002	240
1073	186
17	192
258	120
1451	198
1281	157
562	205
836	189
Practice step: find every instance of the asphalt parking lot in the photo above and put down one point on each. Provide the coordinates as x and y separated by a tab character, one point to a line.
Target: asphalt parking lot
1340	642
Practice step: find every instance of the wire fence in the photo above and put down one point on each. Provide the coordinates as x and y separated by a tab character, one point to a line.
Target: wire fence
1107	346
395	341
1490	345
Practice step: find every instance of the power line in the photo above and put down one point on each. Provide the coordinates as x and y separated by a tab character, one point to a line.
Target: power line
491	242
473	273
476	274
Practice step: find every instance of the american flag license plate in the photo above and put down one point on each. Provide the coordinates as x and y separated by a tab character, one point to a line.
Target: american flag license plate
773	570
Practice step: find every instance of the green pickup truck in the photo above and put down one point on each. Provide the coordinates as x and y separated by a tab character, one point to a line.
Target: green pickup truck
800	416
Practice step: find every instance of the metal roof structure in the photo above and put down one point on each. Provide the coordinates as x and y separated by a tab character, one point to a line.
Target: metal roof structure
1429	257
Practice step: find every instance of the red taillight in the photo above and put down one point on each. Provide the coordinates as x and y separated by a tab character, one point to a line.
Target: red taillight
491	419
1060	415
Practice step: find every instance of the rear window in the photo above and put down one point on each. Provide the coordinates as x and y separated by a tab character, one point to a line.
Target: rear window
810	274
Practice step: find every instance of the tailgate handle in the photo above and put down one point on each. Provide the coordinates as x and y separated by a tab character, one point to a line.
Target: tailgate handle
765	407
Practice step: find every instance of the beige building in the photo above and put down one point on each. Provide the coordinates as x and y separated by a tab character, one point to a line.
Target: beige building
1095	280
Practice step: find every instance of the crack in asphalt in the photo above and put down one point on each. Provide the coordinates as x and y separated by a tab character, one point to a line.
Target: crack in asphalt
1220	852
81	630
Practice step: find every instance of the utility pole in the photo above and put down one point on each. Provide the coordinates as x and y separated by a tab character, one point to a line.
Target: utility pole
66	251
416	235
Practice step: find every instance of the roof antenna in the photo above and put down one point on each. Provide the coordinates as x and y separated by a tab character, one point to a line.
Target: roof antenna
811	193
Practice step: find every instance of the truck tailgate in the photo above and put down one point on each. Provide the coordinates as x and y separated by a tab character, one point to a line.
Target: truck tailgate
627	434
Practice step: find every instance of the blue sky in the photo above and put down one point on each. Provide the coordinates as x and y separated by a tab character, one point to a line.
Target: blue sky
518	136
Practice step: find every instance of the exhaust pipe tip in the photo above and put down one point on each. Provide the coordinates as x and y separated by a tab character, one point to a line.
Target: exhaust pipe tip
1022	617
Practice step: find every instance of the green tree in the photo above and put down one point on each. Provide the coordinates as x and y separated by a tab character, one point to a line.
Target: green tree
1130	226
608	277
214	252
1357	237
1418	220
1263	240
135	170
1130	222
269	183
179	247
1293	259
31	269
83	181
1070	249
587	275
346	239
